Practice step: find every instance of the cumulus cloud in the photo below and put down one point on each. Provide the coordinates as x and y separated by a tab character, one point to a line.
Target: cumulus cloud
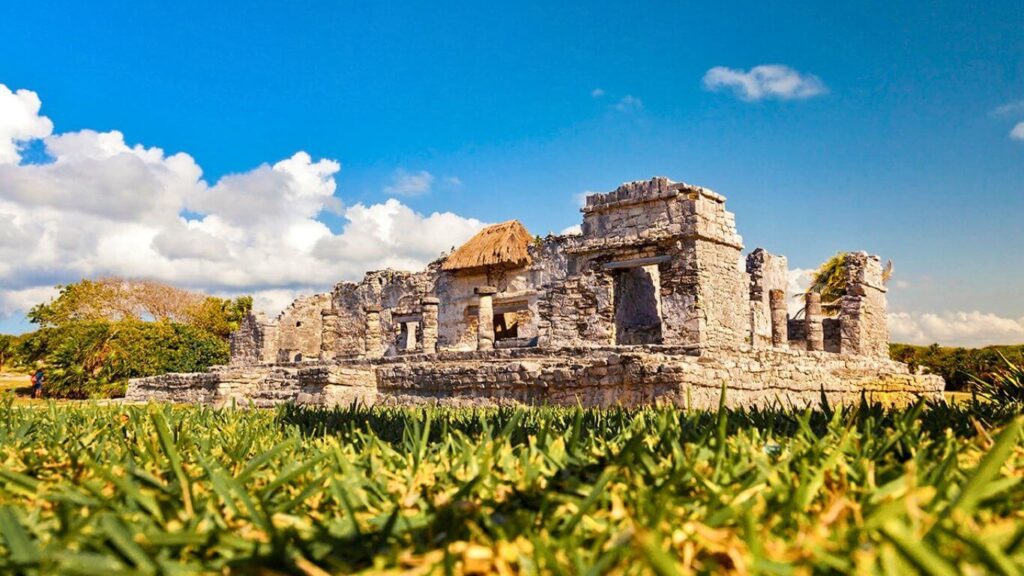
765	81
574	230
798	280
19	122
410	183
629	103
596	93
105	207
955	328
1018	131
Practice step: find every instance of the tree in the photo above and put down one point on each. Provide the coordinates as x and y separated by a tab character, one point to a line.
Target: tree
95	335
7	343
114	299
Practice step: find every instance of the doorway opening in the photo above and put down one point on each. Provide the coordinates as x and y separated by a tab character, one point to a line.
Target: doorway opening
637	305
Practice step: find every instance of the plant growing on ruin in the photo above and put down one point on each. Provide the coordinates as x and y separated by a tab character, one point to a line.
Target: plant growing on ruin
830	280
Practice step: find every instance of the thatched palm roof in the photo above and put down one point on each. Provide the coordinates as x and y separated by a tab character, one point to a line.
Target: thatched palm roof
504	244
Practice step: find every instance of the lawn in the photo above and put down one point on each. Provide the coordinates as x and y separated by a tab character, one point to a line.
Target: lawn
17	384
149	489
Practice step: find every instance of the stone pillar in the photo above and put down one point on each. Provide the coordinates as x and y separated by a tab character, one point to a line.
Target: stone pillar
485	318
780	318
862	312
812	321
430	306
410	336
329	337
373	335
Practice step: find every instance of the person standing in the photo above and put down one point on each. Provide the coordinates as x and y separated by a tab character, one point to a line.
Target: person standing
37	383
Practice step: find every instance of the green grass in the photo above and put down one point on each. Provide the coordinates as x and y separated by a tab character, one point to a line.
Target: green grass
933	488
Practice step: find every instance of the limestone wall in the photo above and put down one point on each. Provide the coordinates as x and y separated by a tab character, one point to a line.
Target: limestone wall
300	329
247	342
767	272
863	310
397	293
591	377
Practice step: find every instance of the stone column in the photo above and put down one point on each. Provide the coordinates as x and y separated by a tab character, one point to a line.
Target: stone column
812	321
329	337
780	318
373	335
485	318
410	336
430	306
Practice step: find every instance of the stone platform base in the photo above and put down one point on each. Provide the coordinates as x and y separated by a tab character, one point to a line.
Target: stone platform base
591	377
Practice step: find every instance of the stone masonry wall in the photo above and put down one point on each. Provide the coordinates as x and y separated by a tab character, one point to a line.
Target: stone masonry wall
863	310
397	293
247	342
598	377
767	272
300	328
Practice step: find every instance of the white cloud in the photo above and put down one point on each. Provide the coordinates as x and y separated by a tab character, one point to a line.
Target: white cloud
1009	108
410	183
19	122
104	207
798	281
765	81
1018	131
596	93
629	103
955	328
574	230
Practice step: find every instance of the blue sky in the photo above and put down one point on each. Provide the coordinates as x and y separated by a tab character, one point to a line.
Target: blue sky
905	151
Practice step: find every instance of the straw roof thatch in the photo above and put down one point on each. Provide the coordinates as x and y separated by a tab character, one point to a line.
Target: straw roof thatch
504	244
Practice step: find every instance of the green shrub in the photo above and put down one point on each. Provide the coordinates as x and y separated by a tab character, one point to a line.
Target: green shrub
86	359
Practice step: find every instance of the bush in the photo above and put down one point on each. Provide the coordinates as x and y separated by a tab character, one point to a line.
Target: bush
87	359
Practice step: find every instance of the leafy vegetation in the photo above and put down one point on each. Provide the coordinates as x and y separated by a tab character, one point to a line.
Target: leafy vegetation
85	359
7	349
830	279
97	334
1006	384
107	490
960	367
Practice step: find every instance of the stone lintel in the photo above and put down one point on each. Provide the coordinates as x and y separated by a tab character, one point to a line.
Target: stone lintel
406	318
485	290
637	262
430	301
372	309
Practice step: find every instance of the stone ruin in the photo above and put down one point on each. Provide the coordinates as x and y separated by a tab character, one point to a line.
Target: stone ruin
650	304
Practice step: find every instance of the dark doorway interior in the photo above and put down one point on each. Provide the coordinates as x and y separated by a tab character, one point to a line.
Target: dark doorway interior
506	325
637	306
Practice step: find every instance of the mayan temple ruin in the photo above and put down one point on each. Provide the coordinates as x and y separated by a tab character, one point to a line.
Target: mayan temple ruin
650	304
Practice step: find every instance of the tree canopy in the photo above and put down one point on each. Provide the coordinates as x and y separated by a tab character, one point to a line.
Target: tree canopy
97	334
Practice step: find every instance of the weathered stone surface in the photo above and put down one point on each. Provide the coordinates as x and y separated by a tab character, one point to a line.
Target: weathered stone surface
610	376
654	282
